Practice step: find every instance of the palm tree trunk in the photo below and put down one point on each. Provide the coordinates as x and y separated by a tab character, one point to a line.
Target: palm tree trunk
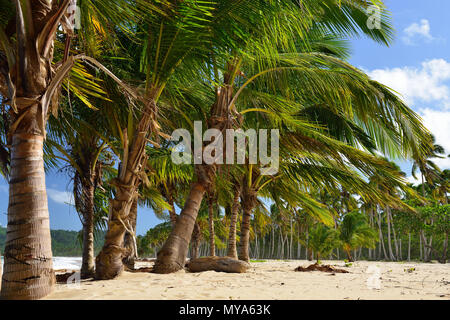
87	205
172	256
232	252
420	246
273	243
380	233
409	246
388	217
245	232
396	242
212	240
172	214
109	261
444	249
290	245
28	268
196	237
130	238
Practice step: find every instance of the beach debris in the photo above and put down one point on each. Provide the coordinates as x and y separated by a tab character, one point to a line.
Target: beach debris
143	269
219	264
322	268
410	270
62	278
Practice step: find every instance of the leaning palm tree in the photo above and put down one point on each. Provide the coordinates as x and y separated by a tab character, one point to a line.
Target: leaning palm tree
354	232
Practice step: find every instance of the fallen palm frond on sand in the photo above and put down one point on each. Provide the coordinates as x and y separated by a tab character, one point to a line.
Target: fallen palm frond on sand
322	268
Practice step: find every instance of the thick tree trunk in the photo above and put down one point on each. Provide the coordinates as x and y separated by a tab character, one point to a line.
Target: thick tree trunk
172	256
28	269
108	264
232	252
212	236
87	263
130	239
219	264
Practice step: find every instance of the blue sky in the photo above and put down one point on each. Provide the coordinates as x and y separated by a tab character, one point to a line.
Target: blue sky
417	65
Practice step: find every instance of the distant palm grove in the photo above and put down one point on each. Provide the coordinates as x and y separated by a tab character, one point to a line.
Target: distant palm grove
95	89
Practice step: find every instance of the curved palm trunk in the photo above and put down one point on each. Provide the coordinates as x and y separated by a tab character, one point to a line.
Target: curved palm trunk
130	239
232	252
349	254
172	256
212	236
28	269
109	261
172	214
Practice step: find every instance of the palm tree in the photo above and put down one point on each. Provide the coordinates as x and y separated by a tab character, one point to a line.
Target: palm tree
232	252
429	171
85	153
354	232
322	240
31	79
168	38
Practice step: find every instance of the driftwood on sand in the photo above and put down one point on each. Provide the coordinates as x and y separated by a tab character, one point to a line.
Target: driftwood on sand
220	264
322	268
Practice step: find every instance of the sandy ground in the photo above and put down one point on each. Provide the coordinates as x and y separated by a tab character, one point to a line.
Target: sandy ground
274	280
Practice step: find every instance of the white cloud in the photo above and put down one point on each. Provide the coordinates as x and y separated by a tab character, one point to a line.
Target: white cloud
426	84
420	30
61	197
427	90
438	122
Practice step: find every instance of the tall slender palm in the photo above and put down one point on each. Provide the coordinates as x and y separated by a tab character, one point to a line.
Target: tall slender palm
85	153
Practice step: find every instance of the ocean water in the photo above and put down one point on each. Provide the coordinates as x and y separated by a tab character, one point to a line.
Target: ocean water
72	263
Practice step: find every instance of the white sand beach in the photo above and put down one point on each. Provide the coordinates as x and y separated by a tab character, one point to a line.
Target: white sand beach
275	280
